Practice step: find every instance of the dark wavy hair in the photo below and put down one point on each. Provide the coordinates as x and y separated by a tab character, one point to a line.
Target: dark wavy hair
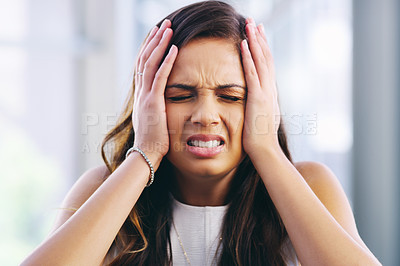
252	232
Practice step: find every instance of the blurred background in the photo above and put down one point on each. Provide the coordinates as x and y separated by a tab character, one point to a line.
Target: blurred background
66	67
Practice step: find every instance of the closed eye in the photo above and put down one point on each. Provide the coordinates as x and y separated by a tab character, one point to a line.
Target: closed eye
230	98
179	98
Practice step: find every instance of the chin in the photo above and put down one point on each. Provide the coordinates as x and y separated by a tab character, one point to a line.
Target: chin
203	168
208	173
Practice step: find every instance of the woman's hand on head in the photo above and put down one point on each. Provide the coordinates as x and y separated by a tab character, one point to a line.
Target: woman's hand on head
149	116
262	115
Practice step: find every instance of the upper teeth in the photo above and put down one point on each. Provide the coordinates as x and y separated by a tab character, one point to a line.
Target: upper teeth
205	144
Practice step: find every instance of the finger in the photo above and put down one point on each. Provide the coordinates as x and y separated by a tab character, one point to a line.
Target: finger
261	30
153	62
257	54
144	45
146	52
250	21
249	67
260	33
262	39
137	72
265	80
161	77
152	45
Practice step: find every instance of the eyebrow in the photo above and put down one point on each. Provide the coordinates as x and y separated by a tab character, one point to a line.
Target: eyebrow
190	87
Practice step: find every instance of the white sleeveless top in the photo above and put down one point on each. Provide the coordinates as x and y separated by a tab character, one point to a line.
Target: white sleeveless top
199	231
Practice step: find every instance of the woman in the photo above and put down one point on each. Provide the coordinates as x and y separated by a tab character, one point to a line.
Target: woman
206	120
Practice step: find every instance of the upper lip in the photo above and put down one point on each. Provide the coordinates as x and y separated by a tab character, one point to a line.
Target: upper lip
205	137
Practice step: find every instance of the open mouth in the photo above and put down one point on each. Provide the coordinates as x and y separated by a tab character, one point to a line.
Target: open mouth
205	144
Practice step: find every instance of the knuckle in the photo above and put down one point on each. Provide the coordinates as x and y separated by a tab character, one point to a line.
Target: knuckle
138	61
150	104
144	55
149	64
160	76
261	60
138	64
253	72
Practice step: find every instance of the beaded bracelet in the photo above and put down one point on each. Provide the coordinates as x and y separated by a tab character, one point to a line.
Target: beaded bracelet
147	161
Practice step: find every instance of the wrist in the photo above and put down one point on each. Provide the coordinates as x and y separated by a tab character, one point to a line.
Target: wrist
153	152
152	158
268	158
261	151
267	155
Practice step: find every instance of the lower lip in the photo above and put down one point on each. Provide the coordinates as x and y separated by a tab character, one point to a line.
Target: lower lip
205	152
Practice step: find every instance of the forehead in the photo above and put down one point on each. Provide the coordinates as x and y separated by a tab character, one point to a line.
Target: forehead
207	61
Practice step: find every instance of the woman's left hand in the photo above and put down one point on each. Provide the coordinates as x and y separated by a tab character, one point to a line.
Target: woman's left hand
262	115
311	203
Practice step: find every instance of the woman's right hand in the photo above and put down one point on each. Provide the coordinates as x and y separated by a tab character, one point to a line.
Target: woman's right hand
91	230
149	115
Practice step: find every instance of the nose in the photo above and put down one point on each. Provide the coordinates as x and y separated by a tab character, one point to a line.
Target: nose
205	113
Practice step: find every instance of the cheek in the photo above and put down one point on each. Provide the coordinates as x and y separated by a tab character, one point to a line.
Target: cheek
175	120
235	120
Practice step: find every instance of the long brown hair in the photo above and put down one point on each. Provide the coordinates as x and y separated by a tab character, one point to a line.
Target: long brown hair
257	237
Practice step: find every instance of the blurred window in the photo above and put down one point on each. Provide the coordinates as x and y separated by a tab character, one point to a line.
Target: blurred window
66	67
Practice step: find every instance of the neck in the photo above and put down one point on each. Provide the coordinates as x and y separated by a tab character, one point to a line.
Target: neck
202	191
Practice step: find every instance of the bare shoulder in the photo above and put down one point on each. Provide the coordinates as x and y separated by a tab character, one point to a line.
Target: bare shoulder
322	181
87	183
83	188
312	171
329	191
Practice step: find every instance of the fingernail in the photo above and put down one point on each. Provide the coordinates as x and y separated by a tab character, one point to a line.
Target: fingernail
171	50
155	28
262	28
245	44
252	21
164	24
165	33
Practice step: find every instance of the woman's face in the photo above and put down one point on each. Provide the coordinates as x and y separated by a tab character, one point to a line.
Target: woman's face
205	101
